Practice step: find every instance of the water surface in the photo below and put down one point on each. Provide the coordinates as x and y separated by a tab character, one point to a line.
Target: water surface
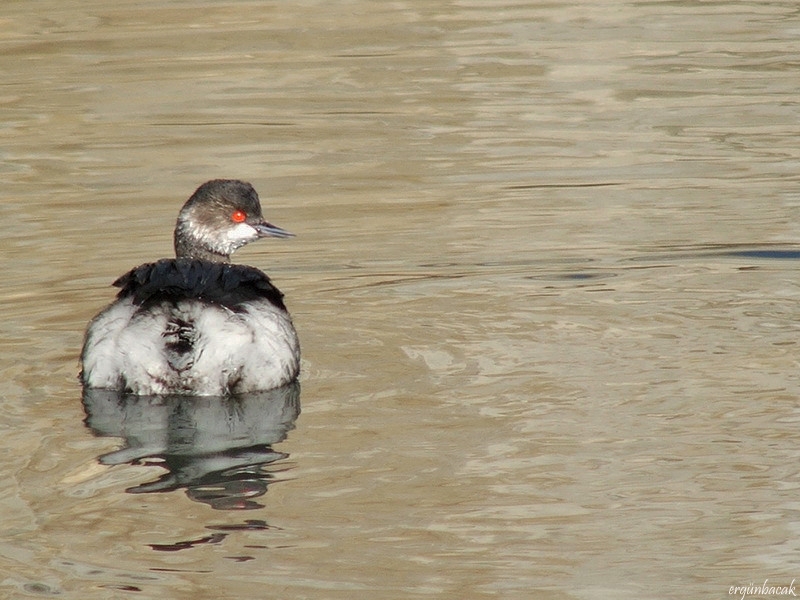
544	279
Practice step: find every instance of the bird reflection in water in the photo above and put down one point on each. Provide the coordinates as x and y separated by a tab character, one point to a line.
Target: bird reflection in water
216	448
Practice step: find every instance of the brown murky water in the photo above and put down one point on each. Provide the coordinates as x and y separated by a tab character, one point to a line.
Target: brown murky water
545	280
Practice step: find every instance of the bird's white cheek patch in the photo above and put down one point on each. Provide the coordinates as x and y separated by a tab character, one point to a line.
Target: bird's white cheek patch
242	233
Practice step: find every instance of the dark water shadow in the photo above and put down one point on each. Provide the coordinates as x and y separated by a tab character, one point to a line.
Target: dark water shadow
765	252
215	448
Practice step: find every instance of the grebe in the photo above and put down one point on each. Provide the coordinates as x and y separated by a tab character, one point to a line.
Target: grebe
196	324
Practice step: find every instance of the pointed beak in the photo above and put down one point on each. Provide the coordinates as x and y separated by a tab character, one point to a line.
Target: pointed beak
265	229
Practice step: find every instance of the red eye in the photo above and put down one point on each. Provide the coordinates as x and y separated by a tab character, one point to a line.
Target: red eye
238	216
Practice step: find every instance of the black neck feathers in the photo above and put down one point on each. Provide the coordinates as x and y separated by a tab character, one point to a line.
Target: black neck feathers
218	283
